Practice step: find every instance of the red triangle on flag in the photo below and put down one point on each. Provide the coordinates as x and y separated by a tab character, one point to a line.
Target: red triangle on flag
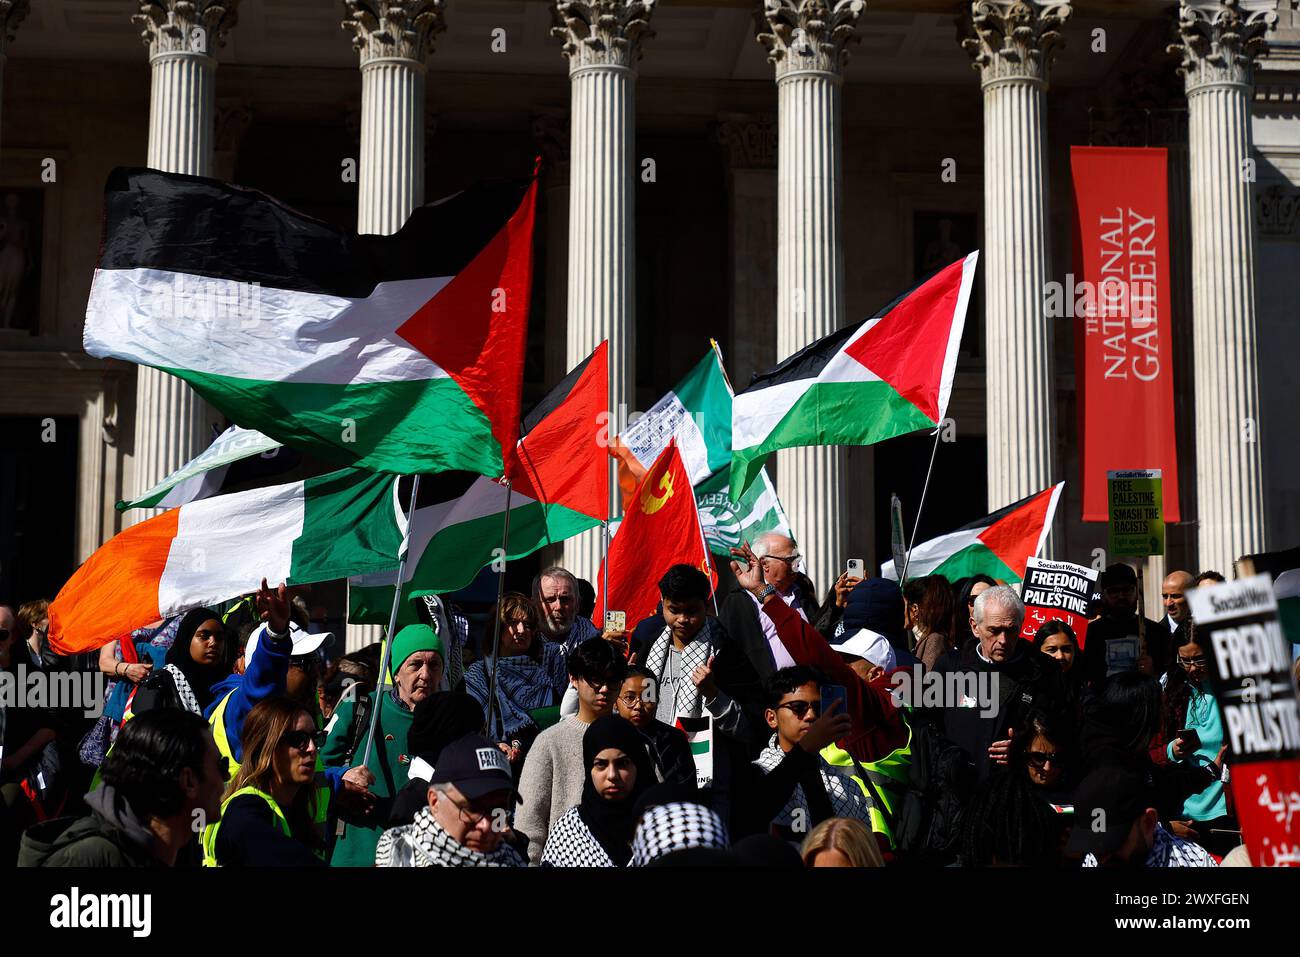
908	346
1016	536
475	327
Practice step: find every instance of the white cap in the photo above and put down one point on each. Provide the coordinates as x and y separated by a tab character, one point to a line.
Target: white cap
871	645
304	642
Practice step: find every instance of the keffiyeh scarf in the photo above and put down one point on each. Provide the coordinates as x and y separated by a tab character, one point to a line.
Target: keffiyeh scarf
571	844
424	843
846	797
184	690
523	684
675	827
707	641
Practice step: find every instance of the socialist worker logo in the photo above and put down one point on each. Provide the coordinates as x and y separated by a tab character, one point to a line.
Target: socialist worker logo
651	503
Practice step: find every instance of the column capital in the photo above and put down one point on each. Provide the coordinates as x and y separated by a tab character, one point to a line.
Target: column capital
12	13
401	29
602	32
196	27
809	35
750	139
1219	42
1013	39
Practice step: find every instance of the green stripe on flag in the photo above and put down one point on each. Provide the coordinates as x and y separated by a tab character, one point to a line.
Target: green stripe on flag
350	526
975	560
700	747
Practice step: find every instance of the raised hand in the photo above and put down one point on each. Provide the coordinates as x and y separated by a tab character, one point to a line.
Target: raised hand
832	726
751	578
273	606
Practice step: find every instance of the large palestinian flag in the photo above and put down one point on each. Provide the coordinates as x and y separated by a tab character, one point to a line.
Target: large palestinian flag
206	552
558	474
887	376
997	545
399	353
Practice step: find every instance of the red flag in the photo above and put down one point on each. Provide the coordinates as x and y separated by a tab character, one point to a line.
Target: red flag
660	528
1121	306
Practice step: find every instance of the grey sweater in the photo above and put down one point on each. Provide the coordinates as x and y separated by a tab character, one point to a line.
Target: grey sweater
551	782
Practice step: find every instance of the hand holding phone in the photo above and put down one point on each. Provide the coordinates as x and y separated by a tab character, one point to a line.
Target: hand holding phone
831	694
856	568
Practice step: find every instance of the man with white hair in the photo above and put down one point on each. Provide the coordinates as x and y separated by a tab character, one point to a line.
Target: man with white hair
555	590
995	679
778	555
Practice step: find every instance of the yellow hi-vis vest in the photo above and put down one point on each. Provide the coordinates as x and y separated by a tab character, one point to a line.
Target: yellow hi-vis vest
888	779
319	781
210	832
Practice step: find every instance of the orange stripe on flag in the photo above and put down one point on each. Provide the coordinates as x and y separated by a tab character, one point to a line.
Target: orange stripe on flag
115	590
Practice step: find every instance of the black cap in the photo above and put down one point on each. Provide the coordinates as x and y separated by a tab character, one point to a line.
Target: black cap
1106	804
1117	574
474	766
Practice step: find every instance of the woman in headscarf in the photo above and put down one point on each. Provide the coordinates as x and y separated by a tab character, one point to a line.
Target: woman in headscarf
598	832
531	674
194	663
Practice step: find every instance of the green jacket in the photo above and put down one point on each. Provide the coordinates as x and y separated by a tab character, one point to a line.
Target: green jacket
111	836
356	838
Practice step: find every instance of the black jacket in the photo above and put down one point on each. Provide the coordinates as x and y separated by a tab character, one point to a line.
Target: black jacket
670	752
1028	681
739	616
1107	629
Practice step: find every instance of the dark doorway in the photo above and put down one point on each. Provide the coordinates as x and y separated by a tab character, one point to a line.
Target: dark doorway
38	520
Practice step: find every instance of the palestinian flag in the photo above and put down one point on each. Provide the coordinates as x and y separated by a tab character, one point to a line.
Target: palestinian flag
202	476
222	547
558	477
887	376
697	413
997	545
399	353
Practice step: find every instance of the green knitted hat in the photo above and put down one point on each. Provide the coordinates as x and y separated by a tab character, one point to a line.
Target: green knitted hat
411	639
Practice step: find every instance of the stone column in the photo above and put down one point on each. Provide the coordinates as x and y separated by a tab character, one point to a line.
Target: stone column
1219	44
12	13
1012	46
392	39
750	143
807	42
172	424
602	41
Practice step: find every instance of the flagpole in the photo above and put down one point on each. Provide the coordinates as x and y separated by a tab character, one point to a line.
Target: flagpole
708	558
907	559
496	627
392	623
604	567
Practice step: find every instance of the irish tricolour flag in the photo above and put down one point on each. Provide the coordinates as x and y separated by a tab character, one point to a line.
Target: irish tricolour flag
997	545
205	552
887	376
399	353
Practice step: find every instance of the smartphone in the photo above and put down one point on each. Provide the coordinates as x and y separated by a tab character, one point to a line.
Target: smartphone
1191	737
616	621
830	694
855	568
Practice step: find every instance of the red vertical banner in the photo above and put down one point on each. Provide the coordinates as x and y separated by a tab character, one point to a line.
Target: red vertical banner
1119	299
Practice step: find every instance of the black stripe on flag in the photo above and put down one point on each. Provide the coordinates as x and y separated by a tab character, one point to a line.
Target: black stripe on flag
988	521
809	361
204	227
553	399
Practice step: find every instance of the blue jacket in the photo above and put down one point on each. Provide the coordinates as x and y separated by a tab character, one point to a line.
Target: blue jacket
265	674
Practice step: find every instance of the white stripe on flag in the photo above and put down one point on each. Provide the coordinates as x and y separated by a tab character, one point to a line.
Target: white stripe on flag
930	555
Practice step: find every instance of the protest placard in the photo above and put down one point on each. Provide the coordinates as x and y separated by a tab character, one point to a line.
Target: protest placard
1250	660
1057	591
1136	525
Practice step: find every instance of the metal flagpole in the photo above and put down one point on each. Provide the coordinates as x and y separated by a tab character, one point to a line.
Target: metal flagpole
392	623
604	567
496	627
907	560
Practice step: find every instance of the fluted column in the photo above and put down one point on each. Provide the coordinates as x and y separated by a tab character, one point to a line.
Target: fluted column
602	41
172	424
1219	43
1012	43
12	13
807	43
392	39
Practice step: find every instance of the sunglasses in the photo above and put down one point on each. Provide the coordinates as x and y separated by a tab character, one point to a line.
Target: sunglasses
307	663
1193	662
1040	759
798	708
298	740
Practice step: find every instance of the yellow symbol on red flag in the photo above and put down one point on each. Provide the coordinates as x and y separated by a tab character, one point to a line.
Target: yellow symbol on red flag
652	503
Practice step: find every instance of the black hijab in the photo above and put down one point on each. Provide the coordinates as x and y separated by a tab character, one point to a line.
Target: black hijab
613	823
201	678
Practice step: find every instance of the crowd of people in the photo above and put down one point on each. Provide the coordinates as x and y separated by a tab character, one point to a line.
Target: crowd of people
757	727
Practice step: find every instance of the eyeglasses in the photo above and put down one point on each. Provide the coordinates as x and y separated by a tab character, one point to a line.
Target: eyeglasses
1193	662
473	818
798	708
298	740
1040	759
636	701
595	684
788	559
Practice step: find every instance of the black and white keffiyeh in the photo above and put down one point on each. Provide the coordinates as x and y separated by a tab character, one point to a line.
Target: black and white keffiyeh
694	655
571	844
424	843
183	690
1167	850
676	827
846	797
